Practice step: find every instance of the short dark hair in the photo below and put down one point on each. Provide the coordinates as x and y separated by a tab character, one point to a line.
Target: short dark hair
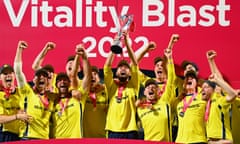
95	69
185	63
192	74
158	59
71	58
62	75
122	63
210	83
49	68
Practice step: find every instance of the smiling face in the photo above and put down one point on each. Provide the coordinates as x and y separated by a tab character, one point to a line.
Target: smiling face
95	79
190	84
63	85
41	82
151	91
188	68
123	73
68	67
207	91
7	79
159	70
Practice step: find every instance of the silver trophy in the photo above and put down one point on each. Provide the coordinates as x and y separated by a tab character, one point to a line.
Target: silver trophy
127	24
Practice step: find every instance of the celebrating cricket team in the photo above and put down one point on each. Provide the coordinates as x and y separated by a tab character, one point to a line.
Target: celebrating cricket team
125	103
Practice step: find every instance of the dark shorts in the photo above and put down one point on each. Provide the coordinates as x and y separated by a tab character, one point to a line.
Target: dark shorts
26	139
9	136
1	137
123	135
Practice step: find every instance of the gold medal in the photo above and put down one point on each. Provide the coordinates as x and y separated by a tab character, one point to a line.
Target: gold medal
181	114
119	100
59	113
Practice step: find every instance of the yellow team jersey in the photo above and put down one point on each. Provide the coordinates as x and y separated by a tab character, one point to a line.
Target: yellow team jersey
79	85
169	96
10	106
68	117
156	122
54	88
31	103
218	124
236	121
94	118
121	115
191	124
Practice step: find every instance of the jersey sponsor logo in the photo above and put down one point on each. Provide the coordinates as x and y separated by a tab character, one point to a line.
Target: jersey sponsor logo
192	106
12	108
68	106
150	111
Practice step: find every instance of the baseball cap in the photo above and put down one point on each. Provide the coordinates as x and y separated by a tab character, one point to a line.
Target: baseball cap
5	68
122	63
149	82
42	72
185	63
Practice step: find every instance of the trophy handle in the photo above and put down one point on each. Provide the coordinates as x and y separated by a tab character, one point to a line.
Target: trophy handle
127	25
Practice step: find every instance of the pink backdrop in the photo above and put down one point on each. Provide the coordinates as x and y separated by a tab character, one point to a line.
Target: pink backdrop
202	25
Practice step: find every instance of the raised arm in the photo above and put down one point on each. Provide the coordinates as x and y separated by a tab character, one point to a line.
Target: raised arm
129	49
168	54
39	59
150	47
111	55
170	64
231	93
211	54
75	67
86	68
20	77
173	40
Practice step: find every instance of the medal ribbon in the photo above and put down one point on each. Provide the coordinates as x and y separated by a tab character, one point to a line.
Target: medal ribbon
93	99
208	106
62	105
161	91
44	100
121	88
147	104
7	91
43	97
185	104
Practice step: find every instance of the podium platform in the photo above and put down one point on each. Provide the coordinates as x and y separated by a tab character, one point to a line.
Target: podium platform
87	141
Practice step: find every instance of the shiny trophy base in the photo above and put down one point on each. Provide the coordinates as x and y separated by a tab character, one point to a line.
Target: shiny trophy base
116	49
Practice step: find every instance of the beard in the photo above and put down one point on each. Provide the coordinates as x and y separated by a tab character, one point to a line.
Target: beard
123	79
